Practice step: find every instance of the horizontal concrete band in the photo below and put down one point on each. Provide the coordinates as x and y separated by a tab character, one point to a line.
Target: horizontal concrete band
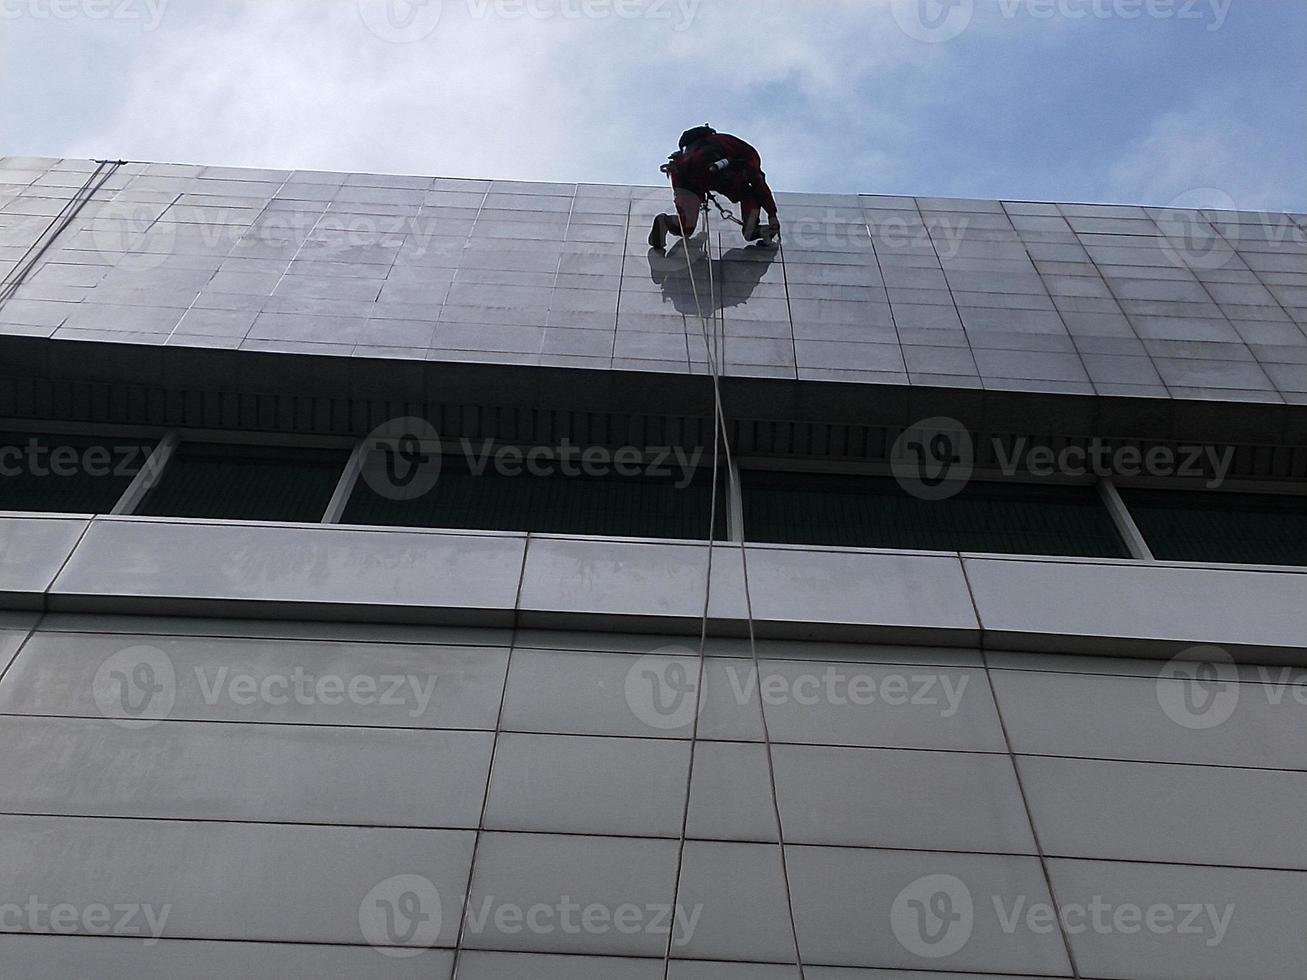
261	571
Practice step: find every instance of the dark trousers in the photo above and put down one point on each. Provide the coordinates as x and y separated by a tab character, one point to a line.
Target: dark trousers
688	205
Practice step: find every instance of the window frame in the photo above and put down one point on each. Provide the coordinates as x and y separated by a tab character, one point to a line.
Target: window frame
168	439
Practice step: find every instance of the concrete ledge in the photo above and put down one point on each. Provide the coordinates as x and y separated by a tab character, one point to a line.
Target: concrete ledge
797	593
160	567
32	550
262	570
624	584
859	595
1123	608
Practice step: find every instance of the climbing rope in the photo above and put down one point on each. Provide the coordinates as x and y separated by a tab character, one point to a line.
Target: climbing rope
718	436
721	431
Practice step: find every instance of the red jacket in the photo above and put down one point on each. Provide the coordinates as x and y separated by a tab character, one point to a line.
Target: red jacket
744	178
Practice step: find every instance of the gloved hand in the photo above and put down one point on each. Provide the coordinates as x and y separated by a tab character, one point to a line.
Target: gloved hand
774	221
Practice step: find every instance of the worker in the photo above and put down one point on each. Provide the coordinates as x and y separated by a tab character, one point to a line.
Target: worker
709	161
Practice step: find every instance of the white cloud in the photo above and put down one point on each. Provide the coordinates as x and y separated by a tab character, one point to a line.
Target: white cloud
277	83
1201	156
835	94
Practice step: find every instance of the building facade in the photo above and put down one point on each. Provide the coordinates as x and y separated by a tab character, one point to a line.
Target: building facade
415	577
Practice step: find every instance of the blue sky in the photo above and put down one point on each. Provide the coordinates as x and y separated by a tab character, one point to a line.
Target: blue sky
1191	102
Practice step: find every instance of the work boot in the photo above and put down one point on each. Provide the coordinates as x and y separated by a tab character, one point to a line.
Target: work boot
658	234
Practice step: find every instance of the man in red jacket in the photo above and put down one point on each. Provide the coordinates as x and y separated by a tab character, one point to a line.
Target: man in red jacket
713	161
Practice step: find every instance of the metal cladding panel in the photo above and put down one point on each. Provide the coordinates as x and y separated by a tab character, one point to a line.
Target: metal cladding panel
1006	296
227	829
32	552
274	571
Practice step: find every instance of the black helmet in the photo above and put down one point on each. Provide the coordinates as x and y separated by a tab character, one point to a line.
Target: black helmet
692	136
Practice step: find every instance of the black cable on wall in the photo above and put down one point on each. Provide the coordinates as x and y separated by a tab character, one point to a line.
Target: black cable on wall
104	169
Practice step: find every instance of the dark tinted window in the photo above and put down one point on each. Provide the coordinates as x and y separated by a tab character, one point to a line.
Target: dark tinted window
875	512
67	474
644	505
1258	529
246	483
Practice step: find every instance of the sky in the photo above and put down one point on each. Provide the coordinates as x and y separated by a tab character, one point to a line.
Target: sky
1163	102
